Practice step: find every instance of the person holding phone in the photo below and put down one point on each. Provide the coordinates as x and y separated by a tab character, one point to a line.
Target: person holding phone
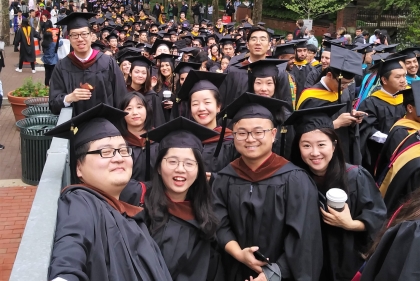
258	204
346	234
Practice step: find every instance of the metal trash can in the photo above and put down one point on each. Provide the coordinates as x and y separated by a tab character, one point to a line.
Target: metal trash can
34	145
37	111
41	101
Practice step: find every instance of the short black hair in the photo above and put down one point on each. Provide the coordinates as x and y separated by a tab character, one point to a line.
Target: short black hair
312	48
255	29
359	28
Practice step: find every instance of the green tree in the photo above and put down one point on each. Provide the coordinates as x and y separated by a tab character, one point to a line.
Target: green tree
315	8
257	11
5	28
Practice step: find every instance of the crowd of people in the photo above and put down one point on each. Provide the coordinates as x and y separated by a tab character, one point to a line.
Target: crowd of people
204	151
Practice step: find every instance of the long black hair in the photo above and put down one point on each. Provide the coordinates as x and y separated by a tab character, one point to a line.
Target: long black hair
47	39
148	123
199	194
336	174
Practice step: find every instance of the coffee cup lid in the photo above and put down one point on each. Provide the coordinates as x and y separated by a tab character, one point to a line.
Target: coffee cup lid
336	195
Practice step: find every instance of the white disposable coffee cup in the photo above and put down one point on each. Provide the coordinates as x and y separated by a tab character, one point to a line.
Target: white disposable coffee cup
167	95
336	199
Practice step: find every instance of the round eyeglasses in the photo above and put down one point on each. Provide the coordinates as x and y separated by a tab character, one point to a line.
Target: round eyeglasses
256	134
172	163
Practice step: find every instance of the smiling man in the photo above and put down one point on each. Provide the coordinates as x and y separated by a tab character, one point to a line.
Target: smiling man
102	79
411	62
98	237
264	202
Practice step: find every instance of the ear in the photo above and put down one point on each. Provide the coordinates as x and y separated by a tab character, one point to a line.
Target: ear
384	80
79	170
274	133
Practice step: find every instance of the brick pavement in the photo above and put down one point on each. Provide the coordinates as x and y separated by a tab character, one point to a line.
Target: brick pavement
10	162
15	205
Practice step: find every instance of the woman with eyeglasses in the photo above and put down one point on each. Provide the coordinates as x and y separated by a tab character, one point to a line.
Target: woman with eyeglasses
347	230
178	210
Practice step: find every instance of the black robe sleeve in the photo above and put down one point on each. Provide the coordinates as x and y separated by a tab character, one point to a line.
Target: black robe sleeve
57	90
397	255
312	77
119	89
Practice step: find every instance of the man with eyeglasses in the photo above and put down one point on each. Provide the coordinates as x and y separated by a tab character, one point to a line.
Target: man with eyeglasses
86	77
236	82
265	203
98	237
344	66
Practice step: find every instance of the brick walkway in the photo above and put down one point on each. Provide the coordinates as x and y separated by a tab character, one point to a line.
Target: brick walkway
15	205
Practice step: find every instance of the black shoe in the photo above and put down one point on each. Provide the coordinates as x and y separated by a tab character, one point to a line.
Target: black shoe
1	146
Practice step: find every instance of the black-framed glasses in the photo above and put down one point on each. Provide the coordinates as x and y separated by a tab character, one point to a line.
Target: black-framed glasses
108	152
256	134
75	36
173	162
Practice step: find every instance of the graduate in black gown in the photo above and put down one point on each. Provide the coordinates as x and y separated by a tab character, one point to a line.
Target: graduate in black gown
317	149
394	255
259	205
330	90
139	80
325	57
236	82
98	237
135	123
178	205
405	126
383	109
84	66
201	92
263	81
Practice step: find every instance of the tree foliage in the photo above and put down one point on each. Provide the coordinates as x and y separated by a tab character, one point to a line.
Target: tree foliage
315	8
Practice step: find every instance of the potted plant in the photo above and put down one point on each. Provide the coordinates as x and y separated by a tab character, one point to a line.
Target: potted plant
29	89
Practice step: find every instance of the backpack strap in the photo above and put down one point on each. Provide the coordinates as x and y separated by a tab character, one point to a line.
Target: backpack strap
143	193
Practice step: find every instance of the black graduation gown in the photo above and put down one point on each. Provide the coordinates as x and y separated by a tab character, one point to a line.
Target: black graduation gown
349	136
343	248
227	154
94	242
155	102
139	160
187	255
166	112
395	137
104	75
279	215
381	116
26	52
300	73
397	255
313	76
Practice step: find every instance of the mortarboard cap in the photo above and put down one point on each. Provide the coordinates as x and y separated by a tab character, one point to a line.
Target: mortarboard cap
180	133
112	35
140	61
261	23
391	62
159	42
412	52
199	81
270	31
363	48
76	20
264	68
386	48
412	96
94	124
247	26
299	43
166	58
284	49
308	120
98	45
348	63
185	67
226	40
380	56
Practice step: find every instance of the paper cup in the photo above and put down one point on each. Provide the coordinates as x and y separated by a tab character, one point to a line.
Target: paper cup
336	199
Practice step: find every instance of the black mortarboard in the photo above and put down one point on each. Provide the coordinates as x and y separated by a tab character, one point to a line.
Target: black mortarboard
100	21
185	67
379	56
412	95
347	63
201	38
299	43
390	63
386	48
180	133
284	49
363	48
140	61
166	58
412	52
112	35
199	81
247	26
159	42
261	23
93	21
308	120
93	124
226	40
76	20
107	29
98	45
212	36
264	68
269	30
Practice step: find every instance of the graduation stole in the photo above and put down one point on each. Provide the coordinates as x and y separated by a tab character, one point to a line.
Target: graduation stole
27	32
194	33
404	122
293	90
393	100
182	210
300	63
228	136
315	63
317	94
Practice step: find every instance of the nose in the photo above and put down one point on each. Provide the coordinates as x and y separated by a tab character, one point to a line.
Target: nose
201	107
315	151
180	168
117	158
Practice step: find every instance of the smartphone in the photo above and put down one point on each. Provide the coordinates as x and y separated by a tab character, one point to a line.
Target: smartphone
261	257
322	200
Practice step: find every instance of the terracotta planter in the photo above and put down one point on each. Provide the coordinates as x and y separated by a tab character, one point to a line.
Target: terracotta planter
18	104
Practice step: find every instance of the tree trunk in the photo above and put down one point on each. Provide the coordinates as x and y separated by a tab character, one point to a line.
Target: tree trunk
257	11
215	4
5	25
190	3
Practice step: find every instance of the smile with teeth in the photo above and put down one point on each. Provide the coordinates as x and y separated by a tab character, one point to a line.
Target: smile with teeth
179	179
